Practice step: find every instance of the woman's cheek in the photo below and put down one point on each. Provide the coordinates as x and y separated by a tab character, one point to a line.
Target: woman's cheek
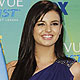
56	30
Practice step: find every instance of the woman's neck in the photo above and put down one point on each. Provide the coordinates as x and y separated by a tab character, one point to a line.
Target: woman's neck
44	54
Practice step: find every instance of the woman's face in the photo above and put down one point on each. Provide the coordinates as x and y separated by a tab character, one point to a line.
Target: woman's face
47	30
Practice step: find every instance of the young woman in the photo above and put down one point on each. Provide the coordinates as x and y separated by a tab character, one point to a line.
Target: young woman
41	55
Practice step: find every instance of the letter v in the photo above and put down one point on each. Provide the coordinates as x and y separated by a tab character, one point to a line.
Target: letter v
1	4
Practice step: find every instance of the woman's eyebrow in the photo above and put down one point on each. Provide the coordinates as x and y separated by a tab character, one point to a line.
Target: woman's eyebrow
51	21
40	21
55	21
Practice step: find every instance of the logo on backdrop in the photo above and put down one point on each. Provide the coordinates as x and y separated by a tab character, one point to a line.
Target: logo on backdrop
75	48
63	7
10	12
13	8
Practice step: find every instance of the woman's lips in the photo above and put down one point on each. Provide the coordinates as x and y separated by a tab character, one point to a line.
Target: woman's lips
47	36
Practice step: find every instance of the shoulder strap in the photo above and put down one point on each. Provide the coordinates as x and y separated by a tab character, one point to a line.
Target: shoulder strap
67	62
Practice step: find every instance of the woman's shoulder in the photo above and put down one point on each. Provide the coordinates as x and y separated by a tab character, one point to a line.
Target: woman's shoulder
10	68
73	66
75	70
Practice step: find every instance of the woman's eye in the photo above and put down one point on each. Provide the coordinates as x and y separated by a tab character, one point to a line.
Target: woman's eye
41	24
54	24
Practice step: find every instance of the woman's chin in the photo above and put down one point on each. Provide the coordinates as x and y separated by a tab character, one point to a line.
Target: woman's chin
48	44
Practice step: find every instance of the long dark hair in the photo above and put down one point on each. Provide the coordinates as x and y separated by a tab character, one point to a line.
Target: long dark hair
26	64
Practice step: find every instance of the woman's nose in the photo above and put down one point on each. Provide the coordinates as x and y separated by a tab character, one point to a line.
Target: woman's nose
48	29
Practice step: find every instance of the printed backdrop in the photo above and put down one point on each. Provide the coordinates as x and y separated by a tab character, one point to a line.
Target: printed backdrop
12	17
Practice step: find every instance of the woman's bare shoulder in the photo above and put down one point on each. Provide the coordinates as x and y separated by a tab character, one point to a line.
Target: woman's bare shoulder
75	69
10	68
